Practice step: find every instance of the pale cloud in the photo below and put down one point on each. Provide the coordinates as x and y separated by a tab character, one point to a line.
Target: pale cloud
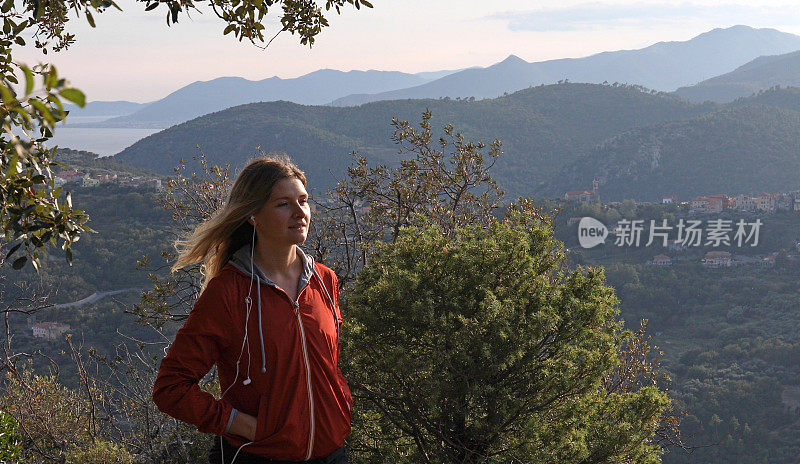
588	16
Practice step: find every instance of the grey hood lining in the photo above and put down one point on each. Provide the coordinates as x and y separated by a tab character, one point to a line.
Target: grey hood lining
241	261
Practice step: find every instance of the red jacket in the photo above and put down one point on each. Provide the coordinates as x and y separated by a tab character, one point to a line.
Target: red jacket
299	417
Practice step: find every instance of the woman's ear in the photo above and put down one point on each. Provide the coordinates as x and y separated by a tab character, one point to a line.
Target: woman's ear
252	220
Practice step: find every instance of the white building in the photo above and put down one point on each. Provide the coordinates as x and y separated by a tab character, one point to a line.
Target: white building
718	259
49	330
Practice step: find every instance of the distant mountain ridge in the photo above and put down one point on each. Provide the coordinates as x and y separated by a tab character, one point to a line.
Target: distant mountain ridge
104	108
662	66
760	74
316	88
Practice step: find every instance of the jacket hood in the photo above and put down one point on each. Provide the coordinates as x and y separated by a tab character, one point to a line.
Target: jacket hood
242	260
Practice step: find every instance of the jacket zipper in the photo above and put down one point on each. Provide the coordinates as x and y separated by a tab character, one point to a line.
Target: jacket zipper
296	306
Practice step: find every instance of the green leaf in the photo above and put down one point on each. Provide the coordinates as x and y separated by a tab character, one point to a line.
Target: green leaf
28	80
13	166
75	96
51	77
5	93
25	116
13	249
20	27
41	109
57	115
55	101
19	262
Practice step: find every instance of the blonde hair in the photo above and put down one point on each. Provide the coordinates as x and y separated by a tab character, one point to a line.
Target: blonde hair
214	241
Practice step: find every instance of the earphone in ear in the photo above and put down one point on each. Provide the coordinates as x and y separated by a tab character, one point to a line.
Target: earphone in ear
252	218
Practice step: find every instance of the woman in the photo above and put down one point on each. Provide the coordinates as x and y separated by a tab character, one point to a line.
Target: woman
268	317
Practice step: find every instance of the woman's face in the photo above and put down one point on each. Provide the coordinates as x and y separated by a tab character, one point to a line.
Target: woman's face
284	219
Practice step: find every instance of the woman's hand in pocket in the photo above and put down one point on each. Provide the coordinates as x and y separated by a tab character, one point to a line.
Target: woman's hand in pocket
244	425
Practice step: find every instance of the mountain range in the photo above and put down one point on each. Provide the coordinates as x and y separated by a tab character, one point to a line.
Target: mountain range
316	88
662	66
760	74
104	108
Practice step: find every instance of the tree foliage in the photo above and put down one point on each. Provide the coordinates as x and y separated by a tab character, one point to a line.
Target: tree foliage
190	198
53	420
480	347
30	212
445	179
10	444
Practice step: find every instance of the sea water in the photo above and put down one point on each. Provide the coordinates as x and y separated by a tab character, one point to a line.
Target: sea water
103	141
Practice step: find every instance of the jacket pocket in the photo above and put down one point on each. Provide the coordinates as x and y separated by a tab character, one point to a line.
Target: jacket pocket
262	431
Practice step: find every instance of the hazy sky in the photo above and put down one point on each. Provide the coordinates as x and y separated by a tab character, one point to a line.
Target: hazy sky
132	55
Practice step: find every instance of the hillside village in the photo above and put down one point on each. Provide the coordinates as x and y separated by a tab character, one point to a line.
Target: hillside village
717	259
761	203
86	178
711	204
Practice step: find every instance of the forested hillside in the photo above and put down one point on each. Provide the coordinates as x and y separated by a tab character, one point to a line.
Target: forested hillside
787	98
760	74
555	138
728	337
542	129
748	148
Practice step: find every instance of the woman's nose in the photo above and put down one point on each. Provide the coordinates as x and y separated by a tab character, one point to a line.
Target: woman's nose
298	210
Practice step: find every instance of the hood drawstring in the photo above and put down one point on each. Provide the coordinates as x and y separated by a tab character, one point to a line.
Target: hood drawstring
261	332
333	306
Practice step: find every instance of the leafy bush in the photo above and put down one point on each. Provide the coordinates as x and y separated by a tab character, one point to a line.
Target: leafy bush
10	444
481	347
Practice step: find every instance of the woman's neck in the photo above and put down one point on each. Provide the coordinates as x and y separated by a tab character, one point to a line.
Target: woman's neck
276	261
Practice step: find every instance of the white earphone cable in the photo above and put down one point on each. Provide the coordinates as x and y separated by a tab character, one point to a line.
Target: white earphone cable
248	304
